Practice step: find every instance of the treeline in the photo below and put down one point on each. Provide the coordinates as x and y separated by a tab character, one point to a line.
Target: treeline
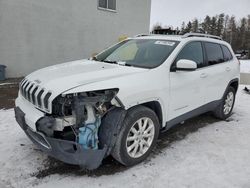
237	33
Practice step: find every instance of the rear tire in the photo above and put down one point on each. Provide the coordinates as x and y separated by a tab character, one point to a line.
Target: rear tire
137	137
224	110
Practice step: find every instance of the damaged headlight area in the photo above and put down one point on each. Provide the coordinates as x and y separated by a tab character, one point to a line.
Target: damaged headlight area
82	128
77	117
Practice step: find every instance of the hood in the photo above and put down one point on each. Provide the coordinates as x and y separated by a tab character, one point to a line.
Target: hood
63	77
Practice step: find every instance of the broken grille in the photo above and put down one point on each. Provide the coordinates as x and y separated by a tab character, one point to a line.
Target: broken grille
35	94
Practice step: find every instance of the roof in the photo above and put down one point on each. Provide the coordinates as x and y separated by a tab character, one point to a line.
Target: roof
160	37
186	37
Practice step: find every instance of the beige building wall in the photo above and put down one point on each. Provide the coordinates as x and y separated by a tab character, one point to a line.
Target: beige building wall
39	33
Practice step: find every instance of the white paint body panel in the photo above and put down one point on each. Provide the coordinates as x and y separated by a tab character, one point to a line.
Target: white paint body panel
177	92
187	92
32	115
186	64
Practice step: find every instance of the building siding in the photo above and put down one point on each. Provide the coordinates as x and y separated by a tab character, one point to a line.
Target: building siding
38	33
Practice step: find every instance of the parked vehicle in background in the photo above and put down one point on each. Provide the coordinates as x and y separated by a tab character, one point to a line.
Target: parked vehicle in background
242	54
117	102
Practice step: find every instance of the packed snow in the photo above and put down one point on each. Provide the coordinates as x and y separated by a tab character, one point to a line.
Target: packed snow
245	66
245	72
3	84
217	155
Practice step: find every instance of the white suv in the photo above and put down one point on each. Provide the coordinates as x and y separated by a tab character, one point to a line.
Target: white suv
117	102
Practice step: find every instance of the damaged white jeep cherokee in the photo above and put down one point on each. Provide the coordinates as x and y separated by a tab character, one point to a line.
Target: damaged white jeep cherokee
117	102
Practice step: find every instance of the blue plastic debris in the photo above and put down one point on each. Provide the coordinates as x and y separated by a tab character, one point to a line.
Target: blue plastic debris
88	135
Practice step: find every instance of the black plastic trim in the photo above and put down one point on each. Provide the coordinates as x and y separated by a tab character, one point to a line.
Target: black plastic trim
184	69
110	128
198	111
66	151
232	81
119	102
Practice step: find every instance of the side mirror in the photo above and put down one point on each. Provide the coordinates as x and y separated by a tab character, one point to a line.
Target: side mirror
186	65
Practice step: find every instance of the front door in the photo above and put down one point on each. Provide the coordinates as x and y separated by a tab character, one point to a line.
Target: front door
187	88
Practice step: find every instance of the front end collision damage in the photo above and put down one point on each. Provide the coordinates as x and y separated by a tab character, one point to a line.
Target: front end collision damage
82	128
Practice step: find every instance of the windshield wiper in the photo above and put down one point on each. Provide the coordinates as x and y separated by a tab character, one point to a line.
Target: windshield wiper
117	62
111	62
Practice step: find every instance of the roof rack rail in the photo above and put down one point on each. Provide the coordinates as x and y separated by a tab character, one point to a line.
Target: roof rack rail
201	35
143	35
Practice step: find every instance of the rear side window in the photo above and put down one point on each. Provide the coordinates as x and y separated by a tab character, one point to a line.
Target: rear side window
214	53
192	51
227	54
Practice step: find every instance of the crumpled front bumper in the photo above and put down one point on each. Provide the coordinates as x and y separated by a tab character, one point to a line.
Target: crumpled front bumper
66	151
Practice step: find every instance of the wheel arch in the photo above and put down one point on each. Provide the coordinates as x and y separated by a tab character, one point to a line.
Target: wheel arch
157	108
233	83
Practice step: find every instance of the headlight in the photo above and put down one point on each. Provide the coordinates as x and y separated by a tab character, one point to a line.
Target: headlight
63	105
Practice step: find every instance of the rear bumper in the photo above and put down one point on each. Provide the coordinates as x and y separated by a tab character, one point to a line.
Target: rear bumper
66	151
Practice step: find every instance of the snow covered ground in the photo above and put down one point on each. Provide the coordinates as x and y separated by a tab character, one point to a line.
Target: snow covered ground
3	84
245	72
245	66
217	155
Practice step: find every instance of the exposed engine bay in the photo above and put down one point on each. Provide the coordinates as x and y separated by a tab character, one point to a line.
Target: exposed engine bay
78	117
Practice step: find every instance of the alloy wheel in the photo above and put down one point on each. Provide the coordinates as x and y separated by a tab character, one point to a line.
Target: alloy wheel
228	103
140	137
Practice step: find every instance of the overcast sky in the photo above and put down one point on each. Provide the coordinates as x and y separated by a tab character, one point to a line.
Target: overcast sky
174	12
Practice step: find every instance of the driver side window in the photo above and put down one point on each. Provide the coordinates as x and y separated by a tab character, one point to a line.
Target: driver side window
192	51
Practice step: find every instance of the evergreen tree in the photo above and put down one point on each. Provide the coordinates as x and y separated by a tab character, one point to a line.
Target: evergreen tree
206	24
188	28
195	26
220	25
232	32
213	26
183	26
225	30
248	36
242	33
236	33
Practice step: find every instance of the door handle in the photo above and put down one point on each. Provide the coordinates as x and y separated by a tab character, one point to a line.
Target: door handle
228	69
203	75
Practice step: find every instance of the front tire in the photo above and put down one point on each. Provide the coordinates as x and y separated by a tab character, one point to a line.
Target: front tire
224	110
137	137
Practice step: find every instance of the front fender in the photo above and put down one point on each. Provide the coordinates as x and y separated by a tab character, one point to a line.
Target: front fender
130	102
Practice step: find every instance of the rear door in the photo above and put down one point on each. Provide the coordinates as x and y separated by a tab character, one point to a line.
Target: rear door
218	59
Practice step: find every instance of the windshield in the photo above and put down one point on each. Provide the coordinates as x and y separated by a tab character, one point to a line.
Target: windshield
145	53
